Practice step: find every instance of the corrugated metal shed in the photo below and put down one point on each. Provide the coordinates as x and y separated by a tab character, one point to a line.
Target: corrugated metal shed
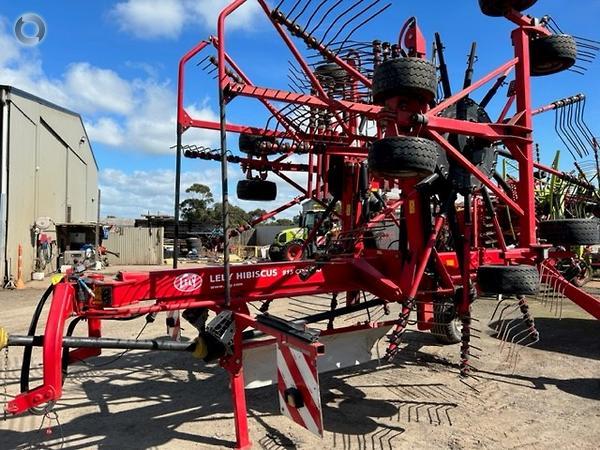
47	169
136	246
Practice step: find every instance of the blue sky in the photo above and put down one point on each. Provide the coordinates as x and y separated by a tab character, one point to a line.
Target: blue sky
116	62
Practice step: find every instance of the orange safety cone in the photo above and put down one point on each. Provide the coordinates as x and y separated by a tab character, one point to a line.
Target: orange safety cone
20	284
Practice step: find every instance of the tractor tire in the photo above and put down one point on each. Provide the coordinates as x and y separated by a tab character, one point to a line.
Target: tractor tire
447	326
499	8
405	77
403	157
508	280
552	54
275	253
256	190
570	231
253	145
293	251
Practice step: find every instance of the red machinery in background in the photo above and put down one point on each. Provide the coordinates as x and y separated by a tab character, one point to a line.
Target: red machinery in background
362	120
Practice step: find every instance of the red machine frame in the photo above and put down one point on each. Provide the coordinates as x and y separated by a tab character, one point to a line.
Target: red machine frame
387	274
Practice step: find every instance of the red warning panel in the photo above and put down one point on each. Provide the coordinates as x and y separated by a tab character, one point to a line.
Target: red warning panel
298	386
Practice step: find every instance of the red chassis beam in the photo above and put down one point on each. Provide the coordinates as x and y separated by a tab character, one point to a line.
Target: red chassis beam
141	293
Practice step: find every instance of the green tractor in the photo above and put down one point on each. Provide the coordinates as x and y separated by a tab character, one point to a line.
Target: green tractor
288	244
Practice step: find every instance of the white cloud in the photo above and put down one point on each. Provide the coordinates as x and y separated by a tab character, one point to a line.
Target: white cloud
140	192
154	19
150	19
136	193
93	89
106	131
139	112
207	13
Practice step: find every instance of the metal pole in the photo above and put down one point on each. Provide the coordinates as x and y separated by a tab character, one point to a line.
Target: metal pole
93	342
177	195
224	195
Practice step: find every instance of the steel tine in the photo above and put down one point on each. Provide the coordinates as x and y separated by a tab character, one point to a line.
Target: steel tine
367	20
349	21
331	8
338	18
500	300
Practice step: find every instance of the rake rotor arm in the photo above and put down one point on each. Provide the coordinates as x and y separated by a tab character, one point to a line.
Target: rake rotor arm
455	154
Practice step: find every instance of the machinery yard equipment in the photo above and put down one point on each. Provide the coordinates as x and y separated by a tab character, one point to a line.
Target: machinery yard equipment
288	244
361	120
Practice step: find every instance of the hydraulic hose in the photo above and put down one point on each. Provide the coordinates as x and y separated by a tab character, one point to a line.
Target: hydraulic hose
26	365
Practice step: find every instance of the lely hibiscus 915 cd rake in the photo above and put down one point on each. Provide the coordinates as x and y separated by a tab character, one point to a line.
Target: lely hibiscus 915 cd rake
417	217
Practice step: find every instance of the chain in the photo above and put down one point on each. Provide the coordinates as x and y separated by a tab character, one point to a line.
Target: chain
5	384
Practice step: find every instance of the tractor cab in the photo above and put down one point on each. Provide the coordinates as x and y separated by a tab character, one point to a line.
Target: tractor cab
290	244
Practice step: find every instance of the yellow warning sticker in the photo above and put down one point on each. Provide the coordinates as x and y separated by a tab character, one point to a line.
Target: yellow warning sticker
412	207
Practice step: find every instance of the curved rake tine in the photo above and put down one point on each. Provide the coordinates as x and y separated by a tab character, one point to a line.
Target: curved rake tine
308	2
331	8
520	348
499	302
294	8
356	16
572	112
337	19
507	332
504	326
314	13
363	23
501	316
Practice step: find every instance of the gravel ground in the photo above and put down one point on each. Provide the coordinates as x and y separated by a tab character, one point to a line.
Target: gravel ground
160	400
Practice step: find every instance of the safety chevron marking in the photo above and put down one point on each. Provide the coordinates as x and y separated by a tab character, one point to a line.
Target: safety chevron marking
298	386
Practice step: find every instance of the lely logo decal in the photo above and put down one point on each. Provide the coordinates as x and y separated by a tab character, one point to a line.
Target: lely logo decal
188	282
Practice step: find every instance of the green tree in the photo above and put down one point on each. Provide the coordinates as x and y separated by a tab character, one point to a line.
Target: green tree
197	207
286	222
237	216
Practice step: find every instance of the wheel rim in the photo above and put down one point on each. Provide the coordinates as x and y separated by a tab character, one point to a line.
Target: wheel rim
294	252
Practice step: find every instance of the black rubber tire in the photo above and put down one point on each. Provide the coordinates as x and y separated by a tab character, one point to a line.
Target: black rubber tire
257	190
552	54
570	231
275	253
508	280
331	71
252	145
446	329
498	8
405	77
403	157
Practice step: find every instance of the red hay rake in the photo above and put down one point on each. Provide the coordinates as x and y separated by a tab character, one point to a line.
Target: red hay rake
367	119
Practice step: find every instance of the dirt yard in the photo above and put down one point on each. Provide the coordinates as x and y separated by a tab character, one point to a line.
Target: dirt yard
168	400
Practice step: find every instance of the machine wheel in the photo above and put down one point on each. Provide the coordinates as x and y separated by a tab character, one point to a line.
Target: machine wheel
406	77
552	54
331	71
509	280
571	231
498	8
447	326
253	145
403	157
257	190
584	277
481	153
293	251
275	253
